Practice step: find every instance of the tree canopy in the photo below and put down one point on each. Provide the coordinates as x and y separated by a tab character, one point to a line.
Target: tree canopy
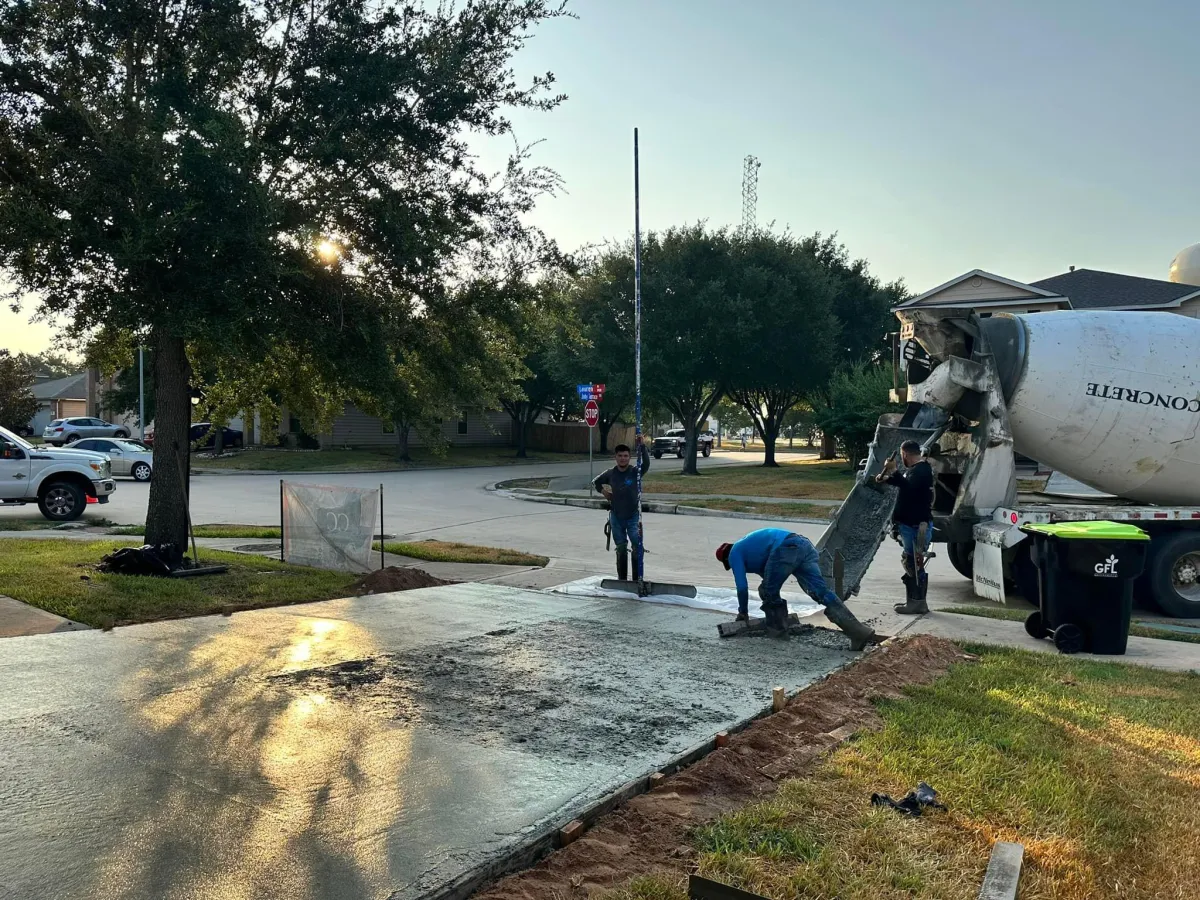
17	403
255	189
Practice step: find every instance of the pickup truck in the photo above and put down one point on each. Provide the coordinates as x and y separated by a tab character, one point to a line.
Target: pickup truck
60	482
675	441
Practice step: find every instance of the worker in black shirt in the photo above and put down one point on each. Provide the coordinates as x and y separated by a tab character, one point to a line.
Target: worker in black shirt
914	521
620	488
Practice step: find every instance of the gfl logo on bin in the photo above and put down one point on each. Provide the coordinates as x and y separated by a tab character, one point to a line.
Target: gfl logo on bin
1108	568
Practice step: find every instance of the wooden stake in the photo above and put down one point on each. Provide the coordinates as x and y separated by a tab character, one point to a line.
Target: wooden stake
778	699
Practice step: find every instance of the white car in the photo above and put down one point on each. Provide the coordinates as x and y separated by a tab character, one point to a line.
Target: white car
127	457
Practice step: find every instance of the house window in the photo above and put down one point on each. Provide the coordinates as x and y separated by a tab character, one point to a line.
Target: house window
462	424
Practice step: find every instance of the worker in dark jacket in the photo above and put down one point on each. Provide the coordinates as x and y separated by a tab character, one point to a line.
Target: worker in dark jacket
776	555
619	485
913	519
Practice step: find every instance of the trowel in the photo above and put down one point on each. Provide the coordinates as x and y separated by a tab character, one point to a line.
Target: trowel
649	588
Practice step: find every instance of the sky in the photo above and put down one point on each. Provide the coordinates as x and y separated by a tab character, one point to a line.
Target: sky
934	137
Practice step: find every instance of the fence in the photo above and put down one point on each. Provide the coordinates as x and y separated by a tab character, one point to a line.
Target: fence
572	437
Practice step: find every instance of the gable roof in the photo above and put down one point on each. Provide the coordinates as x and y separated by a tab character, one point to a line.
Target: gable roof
1030	290
1092	289
73	387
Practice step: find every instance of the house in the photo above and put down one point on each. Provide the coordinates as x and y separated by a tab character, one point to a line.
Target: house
59	399
1077	289
355	428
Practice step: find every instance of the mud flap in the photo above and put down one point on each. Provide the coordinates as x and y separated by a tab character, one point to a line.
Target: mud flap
865	517
988	567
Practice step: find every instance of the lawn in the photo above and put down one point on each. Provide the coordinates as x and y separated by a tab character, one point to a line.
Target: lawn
430	551
766	510
368	459
51	575
449	551
1020	615
794	479
1093	766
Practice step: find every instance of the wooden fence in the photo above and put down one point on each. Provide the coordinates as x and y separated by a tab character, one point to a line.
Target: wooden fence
572	437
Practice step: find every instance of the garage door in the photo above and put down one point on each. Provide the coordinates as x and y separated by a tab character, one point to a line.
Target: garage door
69	408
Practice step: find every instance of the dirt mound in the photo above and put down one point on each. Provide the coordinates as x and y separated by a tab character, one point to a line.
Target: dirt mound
650	833
395	578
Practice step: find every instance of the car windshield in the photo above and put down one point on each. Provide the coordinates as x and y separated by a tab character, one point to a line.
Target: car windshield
13	439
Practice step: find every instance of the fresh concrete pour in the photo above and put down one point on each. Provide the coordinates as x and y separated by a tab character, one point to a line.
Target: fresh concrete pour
374	747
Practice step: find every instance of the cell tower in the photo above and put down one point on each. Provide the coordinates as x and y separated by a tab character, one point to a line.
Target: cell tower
749	193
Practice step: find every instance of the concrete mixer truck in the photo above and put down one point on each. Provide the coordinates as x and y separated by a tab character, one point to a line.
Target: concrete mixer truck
1110	399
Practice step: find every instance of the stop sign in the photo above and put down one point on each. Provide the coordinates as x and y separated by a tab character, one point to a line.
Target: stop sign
591	413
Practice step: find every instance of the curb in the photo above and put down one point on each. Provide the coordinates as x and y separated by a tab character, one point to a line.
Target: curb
653	506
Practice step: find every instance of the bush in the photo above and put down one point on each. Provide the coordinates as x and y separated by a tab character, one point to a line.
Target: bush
858	396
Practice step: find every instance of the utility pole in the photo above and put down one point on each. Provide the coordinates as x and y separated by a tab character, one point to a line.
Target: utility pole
749	194
141	394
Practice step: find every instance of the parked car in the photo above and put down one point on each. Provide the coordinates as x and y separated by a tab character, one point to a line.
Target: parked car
60	482
25	431
675	441
127	457
203	436
68	431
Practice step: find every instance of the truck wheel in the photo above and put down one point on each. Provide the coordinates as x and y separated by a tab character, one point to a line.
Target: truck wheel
62	501
658	454
679	453
1175	575
962	557
707	450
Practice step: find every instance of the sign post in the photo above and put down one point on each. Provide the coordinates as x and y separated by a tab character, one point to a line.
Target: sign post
591	415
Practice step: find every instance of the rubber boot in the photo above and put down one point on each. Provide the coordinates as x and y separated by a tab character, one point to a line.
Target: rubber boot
637	568
860	635
623	565
914	602
776	617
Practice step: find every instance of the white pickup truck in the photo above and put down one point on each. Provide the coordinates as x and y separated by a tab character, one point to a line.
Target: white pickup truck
58	481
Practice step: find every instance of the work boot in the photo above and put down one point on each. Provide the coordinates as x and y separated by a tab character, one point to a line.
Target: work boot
742	617
776	617
622	565
860	635
914	600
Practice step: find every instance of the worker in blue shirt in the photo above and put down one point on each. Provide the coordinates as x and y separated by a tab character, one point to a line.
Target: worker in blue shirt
775	554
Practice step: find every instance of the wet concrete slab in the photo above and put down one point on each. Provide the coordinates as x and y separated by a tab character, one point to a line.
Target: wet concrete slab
375	747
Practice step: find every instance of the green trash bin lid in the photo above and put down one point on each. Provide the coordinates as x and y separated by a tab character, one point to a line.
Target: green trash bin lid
1091	531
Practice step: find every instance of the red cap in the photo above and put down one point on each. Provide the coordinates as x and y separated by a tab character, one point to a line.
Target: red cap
723	554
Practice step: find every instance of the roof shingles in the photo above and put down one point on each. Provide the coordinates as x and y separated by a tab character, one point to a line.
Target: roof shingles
1090	289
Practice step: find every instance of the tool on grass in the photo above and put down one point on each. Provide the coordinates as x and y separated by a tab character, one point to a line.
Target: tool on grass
640	585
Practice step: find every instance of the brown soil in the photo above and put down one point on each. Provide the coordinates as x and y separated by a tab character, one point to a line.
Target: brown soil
395	578
650	833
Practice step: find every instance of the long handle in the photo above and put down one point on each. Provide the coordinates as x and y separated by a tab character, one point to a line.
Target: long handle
637	350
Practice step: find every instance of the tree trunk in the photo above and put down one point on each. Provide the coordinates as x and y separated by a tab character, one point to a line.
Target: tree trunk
218	438
520	432
828	446
401	440
689	454
770	435
166	511
605	426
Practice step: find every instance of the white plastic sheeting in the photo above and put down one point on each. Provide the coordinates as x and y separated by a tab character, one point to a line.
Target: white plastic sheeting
329	527
717	599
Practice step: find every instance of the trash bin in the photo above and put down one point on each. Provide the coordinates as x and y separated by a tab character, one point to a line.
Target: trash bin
1086	572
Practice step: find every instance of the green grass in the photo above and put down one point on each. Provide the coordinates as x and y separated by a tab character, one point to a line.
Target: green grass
449	551
50	574
794	479
1020	615
1093	766
766	510
537	484
265	532
369	459
40	524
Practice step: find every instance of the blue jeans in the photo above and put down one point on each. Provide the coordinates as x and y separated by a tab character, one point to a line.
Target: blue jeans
794	557
624	531
915	547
